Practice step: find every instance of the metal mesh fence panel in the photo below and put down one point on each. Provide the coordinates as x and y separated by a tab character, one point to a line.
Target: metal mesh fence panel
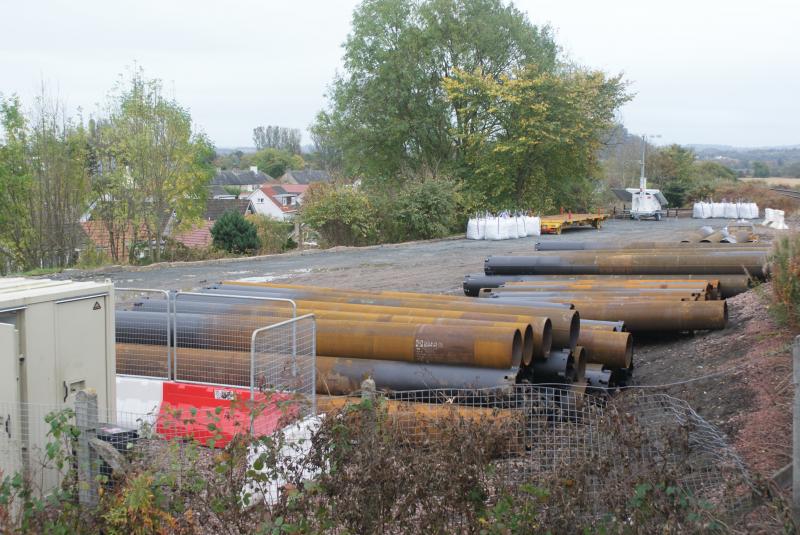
142	347
213	335
284	366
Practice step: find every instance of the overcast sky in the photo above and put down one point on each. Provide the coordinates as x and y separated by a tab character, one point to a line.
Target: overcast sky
716	72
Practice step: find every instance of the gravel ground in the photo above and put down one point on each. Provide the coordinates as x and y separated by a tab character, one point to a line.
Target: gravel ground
436	266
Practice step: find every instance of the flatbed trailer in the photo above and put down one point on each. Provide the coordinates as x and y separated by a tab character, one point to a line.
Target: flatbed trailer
554	224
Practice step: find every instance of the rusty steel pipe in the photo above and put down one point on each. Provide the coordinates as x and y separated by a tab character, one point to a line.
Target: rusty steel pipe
596	325
644	316
492	347
565	322
537	333
599	262
609	348
571	297
727	285
558	245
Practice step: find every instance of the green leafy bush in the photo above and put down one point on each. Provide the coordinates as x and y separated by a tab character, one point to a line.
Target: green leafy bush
342	214
786	279
422	210
274	235
233	233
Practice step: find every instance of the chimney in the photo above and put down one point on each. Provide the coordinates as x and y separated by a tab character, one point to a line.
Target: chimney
254	169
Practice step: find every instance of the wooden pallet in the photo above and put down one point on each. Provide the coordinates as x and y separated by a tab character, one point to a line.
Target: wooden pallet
554	224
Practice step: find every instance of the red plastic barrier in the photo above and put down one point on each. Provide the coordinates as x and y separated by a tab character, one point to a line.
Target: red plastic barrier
213	415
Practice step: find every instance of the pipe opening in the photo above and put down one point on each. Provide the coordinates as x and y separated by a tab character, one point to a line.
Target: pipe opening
527	346
547	338
580	364
629	351
516	349
574	330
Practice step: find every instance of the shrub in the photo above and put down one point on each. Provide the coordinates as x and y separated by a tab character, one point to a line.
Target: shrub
341	214
274	235
786	279
421	211
756	192
233	233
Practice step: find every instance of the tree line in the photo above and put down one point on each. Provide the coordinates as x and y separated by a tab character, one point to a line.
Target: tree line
132	167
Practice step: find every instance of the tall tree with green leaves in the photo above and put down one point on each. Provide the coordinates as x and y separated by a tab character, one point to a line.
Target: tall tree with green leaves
534	135
389	114
16	232
277	137
163	162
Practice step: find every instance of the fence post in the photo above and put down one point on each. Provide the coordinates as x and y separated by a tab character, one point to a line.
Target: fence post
796	431
86	420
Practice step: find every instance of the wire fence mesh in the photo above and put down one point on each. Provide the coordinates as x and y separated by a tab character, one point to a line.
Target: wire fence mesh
213	334
143	348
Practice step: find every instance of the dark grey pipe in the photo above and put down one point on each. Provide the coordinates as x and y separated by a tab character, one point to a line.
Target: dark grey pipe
558	367
599	263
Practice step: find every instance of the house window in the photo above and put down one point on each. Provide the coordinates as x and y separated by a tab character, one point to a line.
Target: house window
261	199
285	201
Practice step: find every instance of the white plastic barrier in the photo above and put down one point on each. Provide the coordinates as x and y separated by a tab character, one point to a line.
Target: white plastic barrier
774	219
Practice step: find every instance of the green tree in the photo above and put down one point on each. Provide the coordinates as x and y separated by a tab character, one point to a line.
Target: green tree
16	184
389	115
235	234
422	210
760	170
167	164
275	162
534	135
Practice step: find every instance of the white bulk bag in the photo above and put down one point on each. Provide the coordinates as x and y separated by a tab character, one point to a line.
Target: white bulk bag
511	228
730	211
492	228
753	210
707	210
717	210
502	224
697	210
533	225
521	230
473	232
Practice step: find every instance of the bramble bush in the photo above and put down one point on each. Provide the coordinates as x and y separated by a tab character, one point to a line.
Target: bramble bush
340	213
785	274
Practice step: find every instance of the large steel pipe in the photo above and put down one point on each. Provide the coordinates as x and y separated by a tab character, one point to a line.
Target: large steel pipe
623	293
644	316
598	262
558	245
558	367
537	332
660	316
609	348
596	325
728	285
333	375
492	347
343	376
338	296
565	322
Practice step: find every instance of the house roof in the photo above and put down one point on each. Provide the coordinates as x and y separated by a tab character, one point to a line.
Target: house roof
240	177
97	233
216	207
305	176
199	235
274	191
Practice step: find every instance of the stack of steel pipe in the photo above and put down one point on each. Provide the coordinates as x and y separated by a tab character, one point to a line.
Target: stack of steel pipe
402	340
